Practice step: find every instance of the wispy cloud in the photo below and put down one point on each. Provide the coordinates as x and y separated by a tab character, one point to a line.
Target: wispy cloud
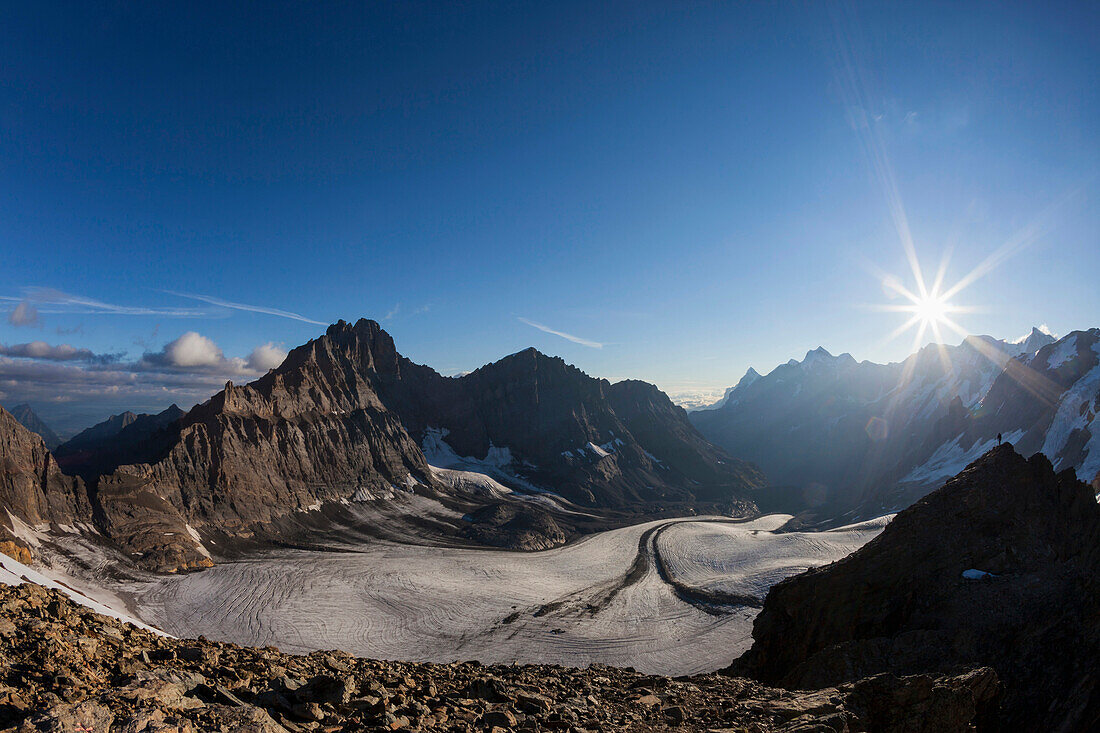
24	314
246	307
562	334
392	312
68	303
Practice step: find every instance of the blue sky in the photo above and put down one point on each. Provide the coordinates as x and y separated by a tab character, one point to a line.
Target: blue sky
695	187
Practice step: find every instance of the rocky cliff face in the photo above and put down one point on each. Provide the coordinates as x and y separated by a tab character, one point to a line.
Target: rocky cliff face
663	429
32	487
31	483
1000	567
313	430
37	496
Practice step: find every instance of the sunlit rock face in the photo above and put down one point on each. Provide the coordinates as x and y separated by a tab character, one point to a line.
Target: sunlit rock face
32	486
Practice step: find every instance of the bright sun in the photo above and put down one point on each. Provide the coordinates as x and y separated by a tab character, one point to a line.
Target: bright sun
931	309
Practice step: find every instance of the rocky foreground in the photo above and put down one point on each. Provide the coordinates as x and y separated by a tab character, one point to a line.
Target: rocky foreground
66	668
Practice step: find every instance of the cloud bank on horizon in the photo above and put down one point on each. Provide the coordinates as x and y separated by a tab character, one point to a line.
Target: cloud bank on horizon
73	386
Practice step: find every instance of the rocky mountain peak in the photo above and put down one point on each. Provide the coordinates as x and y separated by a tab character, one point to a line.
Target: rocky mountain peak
1034	341
32	487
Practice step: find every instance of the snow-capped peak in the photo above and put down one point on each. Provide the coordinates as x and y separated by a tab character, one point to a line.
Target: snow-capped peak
817	355
1039	337
750	376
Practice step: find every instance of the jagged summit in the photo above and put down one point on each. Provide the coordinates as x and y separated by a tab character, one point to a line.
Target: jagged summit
1034	341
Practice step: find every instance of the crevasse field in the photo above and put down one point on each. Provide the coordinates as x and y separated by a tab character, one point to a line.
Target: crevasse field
671	596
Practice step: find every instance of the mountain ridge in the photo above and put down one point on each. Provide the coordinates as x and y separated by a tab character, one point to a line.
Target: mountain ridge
882	435
344	417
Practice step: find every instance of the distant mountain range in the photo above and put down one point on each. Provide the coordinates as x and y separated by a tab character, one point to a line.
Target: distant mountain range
836	433
31	421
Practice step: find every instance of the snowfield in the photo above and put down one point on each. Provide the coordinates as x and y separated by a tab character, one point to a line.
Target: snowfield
670	597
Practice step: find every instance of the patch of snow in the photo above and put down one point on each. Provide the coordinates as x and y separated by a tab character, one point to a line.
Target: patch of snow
1075	413
471	482
492	475
974	574
1063	351
364	494
13	572
596	449
24	531
498	456
951	457
198	540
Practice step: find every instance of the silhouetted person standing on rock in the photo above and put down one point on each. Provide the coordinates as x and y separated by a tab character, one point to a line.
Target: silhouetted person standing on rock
998	438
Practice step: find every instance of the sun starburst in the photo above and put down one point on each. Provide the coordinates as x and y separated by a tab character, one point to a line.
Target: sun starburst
929	307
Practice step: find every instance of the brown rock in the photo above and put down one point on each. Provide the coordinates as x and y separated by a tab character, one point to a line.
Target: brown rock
82	716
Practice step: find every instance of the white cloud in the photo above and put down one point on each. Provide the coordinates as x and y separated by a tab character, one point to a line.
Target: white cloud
24	314
192	350
562	334
265	357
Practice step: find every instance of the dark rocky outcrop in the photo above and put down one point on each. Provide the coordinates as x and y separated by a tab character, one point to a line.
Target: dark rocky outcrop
515	527
1028	539
65	668
29	419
